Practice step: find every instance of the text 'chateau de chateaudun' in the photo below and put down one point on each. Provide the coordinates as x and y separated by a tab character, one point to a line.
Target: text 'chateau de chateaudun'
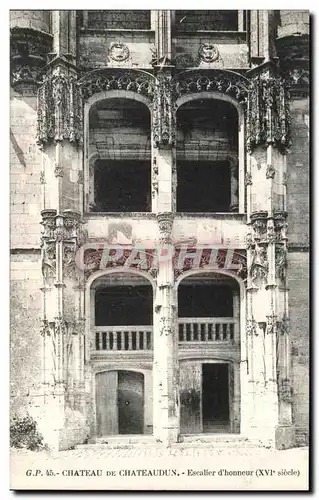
159	226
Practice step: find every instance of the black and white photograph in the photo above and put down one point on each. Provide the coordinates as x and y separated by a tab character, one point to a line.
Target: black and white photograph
159	249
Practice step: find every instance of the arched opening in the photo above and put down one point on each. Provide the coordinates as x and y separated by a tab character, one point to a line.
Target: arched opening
119	152
207	156
119	402
122	313
209	326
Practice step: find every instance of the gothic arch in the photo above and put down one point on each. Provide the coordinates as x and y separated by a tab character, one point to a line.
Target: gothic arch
242	297
224	82
188	89
121	269
208	269
106	86
90	302
138	84
210	94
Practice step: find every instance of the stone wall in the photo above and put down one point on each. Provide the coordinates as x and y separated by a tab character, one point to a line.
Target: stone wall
298	264
298	284
96	51
293	22
25	168
36	19
231	50
298	175
25	328
25	294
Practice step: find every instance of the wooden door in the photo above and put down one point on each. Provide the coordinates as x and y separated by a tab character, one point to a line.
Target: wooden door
131	402
106	384
190	382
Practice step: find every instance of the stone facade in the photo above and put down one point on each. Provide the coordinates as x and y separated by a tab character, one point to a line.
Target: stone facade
94	92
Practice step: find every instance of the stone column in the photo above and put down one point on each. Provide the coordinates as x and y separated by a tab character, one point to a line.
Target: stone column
163	123
262	47
59	135
267	140
64	34
163	36
166	425
163	144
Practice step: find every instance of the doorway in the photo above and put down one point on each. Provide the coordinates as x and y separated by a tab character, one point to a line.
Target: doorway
215	397
119	403
130	402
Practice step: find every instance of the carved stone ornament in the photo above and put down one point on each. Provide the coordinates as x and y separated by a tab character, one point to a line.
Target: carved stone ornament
280	261
299	78
117	79
251	327
271	324
48	260
25	72
58	170
284	326
259	224
270	172
271	233
268	114
28	54
223	81
153	271
118	51
208	53
164	123
280	221
166	326
248	179
249	240
165	222
65	229
69	268
60	113
259	266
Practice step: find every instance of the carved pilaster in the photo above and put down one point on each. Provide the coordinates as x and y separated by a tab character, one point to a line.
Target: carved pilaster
164	115
268	115
69	233
60	113
259	267
163	48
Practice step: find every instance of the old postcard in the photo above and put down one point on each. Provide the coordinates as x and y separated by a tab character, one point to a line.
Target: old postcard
159	170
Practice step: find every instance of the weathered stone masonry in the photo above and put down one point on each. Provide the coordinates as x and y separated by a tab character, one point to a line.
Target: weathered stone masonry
77	87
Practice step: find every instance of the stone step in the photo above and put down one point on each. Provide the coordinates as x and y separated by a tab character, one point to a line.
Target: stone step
187	441
121	441
219	441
